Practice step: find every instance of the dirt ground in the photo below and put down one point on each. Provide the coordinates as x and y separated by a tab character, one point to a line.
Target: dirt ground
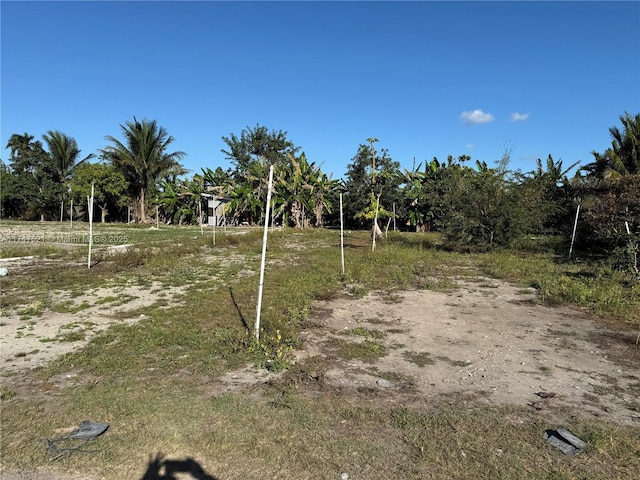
32	340
487	341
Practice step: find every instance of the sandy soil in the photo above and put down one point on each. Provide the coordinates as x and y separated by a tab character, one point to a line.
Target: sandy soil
31	340
487	342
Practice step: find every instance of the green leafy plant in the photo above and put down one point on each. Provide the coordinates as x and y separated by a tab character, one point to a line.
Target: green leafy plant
272	352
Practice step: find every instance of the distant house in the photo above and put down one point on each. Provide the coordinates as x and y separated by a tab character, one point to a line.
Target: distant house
216	206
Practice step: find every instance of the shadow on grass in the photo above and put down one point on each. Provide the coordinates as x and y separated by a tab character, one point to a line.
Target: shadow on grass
161	469
235	304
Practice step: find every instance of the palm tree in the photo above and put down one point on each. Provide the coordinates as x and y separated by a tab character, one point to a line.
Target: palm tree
321	186
623	158
64	153
143	157
625	145
293	189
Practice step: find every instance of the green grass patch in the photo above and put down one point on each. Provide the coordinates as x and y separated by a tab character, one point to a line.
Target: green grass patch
366	351
365	332
421	359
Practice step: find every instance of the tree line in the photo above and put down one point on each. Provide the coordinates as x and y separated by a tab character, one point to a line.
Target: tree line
472	203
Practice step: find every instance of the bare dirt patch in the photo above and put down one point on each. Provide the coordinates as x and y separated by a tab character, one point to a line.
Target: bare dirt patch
487	342
33	334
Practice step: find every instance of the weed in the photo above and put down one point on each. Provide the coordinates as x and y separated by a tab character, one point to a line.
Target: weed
273	353
6	394
365	332
421	359
36	308
366	351
69	307
358	291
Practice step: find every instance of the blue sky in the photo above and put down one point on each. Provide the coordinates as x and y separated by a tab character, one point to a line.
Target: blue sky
425	78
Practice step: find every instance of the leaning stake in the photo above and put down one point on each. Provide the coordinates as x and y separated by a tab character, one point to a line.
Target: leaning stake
573	235
90	227
264	254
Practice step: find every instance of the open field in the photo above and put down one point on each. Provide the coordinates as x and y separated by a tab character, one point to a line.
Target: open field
417	363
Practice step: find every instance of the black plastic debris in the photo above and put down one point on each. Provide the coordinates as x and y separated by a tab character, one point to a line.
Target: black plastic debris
89	430
564	441
65	446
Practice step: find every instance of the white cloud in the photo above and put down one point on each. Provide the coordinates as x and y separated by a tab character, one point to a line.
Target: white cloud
519	117
477	116
470	146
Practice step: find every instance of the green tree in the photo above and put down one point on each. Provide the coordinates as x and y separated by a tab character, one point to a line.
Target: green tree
65	155
257	145
110	187
143	159
217	180
36	190
485	206
10	193
623	158
549	196
181	200
248	194
322	188
368	174
252	154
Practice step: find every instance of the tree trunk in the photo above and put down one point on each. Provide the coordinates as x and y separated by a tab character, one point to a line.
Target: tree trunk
143	213
296	213
319	210
103	213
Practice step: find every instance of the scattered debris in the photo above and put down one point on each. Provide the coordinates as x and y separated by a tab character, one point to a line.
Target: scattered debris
546	394
385	383
535	405
89	430
564	441
64	446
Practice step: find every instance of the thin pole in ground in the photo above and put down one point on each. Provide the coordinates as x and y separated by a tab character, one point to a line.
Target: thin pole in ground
264	254
341	235
215	222
573	235
90	200
375	225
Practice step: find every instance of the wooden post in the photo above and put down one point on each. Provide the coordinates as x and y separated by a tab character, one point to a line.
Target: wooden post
71	215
